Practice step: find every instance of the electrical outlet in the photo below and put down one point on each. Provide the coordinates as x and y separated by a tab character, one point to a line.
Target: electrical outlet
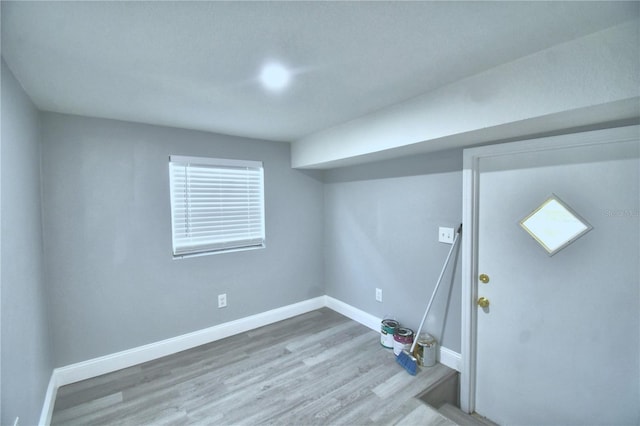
445	235
379	294
222	300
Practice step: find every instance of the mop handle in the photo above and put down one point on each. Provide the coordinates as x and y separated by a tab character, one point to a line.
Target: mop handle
433	295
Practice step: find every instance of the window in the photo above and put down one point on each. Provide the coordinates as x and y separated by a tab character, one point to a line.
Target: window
217	205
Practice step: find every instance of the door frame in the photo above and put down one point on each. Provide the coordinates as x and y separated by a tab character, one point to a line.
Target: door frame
470	196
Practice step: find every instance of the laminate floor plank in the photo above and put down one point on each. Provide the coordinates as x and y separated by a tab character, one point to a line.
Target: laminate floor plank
421	415
318	368
86	408
88	390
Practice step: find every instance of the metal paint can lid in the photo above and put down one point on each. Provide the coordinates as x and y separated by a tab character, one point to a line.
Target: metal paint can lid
425	339
392	324
403	335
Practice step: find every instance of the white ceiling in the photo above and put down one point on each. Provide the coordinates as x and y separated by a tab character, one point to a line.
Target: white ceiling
196	64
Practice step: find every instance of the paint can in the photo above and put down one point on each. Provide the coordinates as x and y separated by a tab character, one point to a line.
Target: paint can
387	330
426	350
402	339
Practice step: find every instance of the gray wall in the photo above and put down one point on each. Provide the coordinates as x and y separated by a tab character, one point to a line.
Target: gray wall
114	284
26	350
381	230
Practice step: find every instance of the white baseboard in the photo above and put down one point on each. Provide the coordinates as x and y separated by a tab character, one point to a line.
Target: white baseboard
49	401
117	361
128	358
353	313
450	358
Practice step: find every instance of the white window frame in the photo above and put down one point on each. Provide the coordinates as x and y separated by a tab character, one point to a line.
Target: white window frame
222	212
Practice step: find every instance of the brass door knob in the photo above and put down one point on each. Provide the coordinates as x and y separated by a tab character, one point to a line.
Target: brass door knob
483	302
484	278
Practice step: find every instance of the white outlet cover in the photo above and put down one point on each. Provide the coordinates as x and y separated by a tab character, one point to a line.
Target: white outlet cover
222	300
445	235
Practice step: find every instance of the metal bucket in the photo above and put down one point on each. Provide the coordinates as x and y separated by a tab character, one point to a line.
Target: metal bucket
426	350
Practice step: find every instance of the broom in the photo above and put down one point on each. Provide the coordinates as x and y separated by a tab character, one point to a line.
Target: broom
406	359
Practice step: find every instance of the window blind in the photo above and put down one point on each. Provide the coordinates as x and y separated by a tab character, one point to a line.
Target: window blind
216	205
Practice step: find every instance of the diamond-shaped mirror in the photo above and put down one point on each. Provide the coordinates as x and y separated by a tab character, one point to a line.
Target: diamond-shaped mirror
554	225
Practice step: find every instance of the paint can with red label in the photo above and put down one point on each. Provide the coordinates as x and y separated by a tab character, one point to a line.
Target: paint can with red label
402	340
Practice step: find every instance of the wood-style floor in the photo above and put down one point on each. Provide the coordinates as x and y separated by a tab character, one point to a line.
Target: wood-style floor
319	368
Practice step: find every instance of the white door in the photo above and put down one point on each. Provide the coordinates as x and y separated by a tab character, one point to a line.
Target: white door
559	342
